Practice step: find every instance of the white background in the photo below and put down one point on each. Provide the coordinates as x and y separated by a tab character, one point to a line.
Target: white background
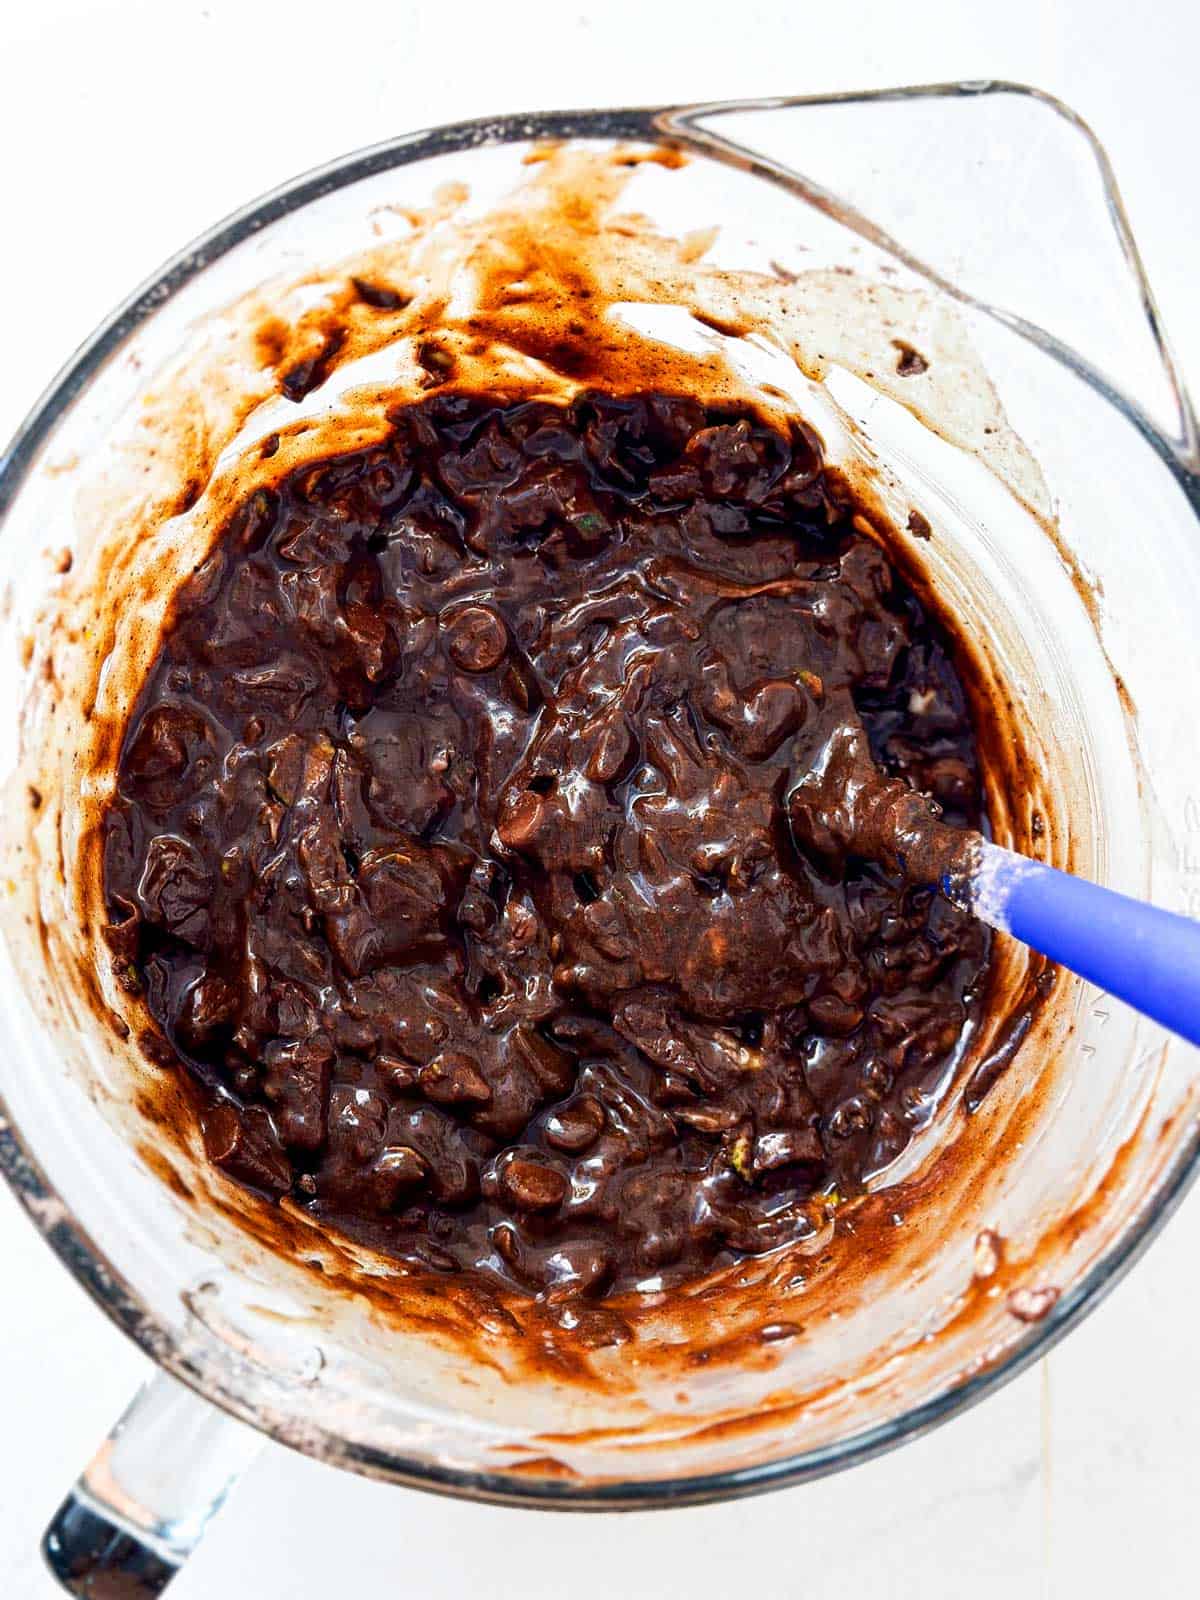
126	127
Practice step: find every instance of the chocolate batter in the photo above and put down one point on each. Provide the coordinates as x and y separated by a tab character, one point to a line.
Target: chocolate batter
512	841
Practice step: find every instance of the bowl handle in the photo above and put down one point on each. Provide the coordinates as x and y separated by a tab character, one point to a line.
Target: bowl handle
142	1504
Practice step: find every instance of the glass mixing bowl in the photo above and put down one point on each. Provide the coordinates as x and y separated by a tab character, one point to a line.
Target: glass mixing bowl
1064	494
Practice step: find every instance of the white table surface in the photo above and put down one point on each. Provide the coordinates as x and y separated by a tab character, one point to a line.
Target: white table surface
128	125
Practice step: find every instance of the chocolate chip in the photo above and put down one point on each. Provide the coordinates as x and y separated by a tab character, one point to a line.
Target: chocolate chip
521	820
478	638
530	1186
452	1079
244	1143
575	1126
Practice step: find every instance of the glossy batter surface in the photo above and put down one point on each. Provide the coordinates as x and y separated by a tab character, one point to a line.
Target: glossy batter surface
496	842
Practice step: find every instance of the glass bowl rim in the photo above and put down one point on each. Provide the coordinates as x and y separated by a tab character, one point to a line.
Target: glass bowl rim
30	1183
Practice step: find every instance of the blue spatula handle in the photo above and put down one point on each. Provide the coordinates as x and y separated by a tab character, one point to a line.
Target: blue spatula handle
1147	957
